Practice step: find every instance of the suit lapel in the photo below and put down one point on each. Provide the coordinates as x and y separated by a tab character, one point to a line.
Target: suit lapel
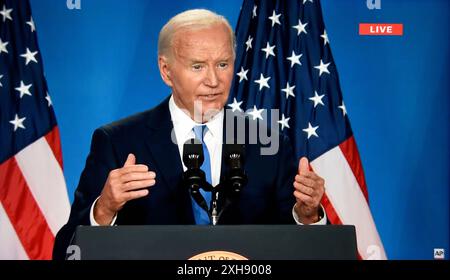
167	158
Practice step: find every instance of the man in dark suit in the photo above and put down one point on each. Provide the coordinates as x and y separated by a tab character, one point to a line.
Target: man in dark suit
134	168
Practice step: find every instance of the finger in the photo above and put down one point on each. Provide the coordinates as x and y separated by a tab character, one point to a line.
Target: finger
137	176
312	175
135	194
306	181
131	160
303	165
306	199
133	185
319	181
303	189
302	178
133	168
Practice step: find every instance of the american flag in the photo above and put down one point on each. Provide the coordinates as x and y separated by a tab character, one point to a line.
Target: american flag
284	61
33	196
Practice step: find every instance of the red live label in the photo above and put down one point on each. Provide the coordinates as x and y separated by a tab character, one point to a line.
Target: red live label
384	29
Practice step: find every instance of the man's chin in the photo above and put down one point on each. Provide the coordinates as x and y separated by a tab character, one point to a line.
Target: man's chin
205	114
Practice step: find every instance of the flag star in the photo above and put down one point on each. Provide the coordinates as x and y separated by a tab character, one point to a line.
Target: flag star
1	76
317	99
269	50
235	106
300	27
6	13
29	56
242	74
289	90
294	59
323	67
17	122
3	46
342	107
311	130
263	82
275	18
304	1
249	43
49	100
325	37
23	89
254	11
255	113
284	122
31	24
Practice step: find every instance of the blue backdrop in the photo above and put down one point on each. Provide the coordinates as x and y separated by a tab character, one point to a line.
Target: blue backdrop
100	64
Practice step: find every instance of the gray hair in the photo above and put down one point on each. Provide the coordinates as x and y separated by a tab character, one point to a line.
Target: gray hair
192	19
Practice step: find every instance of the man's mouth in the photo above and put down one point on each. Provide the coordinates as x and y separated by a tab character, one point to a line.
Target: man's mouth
209	97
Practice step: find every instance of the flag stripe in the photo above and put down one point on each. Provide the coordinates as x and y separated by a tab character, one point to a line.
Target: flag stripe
53	141
11	247
46	182
24	213
33	190
284	62
342	188
350	151
331	213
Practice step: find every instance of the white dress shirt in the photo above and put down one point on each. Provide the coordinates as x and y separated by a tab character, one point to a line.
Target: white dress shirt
183	125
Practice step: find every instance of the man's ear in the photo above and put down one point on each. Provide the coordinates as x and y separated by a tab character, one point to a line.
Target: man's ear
164	69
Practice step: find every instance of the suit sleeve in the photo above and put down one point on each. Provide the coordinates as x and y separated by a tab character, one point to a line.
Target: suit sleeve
100	161
286	171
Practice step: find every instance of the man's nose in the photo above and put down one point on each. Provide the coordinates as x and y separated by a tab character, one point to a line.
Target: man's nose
212	79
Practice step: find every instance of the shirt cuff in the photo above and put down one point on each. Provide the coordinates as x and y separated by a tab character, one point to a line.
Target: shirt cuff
322	221
91	215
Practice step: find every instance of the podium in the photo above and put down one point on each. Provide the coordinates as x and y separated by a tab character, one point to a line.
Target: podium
227	242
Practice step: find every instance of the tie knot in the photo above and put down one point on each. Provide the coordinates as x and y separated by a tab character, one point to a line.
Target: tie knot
200	131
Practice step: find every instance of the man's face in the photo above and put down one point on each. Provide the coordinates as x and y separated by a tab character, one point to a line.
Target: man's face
200	70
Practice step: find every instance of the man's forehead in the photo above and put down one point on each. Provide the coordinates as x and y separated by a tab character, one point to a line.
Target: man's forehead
196	46
199	55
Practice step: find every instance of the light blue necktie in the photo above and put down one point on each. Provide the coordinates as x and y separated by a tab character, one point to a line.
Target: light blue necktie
201	217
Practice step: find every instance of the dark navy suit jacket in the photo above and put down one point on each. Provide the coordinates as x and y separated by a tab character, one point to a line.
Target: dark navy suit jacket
266	199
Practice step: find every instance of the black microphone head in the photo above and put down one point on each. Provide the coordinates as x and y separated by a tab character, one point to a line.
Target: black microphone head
234	155
193	153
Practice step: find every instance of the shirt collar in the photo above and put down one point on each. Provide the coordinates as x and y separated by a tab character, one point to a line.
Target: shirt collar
183	123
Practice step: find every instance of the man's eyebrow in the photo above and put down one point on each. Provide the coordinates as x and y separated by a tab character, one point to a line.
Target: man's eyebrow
226	58
194	61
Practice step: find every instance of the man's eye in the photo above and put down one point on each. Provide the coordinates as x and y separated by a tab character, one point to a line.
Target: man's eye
196	67
223	65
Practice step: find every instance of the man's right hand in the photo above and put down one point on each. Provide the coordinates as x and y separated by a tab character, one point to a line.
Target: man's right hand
123	184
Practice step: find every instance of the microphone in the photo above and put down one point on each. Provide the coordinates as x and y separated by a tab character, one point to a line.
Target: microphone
193	154
236	177
194	177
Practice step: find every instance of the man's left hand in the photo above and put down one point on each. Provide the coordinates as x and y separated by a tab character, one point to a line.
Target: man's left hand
309	189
